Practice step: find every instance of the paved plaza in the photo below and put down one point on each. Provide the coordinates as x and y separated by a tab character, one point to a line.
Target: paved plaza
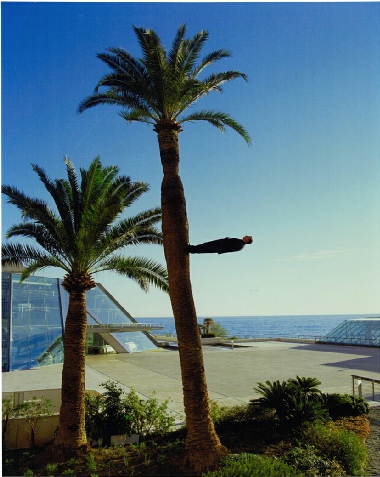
231	374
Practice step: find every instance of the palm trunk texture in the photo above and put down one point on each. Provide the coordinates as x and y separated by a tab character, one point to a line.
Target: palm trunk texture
203	448
71	430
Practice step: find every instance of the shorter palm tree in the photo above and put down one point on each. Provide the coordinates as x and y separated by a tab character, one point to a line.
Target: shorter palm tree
207	322
82	237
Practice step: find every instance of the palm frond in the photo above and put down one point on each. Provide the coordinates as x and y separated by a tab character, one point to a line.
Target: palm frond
219	120
34	209
209	60
122	62
174	57
214	81
76	193
134	192
135	230
193	48
160	85
15	254
143	271
138	115
155	61
40	264
101	98
60	248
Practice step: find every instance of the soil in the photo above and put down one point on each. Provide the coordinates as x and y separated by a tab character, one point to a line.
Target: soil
373	442
163	457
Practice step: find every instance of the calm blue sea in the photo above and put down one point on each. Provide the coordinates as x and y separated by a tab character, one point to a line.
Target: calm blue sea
309	326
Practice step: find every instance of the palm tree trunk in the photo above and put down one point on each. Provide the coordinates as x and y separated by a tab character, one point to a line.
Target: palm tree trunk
203	448
71	436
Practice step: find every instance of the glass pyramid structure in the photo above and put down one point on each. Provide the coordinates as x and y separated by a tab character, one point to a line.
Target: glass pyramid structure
33	320
362	332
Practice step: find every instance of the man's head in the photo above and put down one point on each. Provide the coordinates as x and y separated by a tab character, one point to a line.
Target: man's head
247	239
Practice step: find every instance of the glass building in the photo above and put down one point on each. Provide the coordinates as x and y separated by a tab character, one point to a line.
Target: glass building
362	332
33	320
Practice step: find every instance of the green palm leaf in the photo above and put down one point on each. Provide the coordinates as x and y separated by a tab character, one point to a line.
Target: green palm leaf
143	271
219	120
87	228
161	85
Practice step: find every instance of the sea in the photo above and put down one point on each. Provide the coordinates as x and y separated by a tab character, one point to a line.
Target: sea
298	326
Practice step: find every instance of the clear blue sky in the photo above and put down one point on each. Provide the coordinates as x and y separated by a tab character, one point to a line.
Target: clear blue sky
307	188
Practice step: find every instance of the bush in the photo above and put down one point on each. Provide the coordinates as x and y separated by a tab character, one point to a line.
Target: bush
93	415
218	330
106	415
296	401
358	424
238	413
337	444
344	405
148	416
252	465
306	460
117	413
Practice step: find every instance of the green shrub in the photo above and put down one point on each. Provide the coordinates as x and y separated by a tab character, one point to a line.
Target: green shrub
116	413
93	415
308	386
218	330
344	405
106	414
238	413
148	416
306	460
217	412
337	444
252	465
274	396
296	401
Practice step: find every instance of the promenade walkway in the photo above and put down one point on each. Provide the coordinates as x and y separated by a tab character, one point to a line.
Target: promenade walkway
231	374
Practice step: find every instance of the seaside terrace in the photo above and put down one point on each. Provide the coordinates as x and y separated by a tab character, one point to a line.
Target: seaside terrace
122	350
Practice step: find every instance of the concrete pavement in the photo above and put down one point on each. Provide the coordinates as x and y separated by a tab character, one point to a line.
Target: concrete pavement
231	374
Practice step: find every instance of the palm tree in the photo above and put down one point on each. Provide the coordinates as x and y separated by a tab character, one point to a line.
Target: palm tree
207	322
83	237
157	89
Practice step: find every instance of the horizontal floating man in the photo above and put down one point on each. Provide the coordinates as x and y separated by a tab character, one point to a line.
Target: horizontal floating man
220	246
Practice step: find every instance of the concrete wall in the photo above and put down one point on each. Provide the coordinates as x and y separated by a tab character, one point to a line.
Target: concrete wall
20	397
18	435
19	432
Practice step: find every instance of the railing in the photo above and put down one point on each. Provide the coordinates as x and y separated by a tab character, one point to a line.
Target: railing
365	387
134	326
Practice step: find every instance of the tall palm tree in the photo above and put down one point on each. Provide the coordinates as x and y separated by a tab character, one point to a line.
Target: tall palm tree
157	89
82	237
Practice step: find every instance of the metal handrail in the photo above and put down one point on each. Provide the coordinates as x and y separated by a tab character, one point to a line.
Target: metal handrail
125	325
359	385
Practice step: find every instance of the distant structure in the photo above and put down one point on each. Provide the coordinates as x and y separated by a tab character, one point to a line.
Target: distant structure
33	320
358	331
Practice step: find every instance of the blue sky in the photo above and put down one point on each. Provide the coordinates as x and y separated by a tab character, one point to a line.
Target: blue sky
307	188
